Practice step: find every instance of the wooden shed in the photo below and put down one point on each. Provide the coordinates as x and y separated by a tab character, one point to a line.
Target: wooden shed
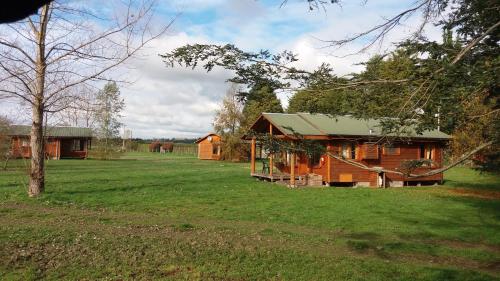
210	147
349	139
60	142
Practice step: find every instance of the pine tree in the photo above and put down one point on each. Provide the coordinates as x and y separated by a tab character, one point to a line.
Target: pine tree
261	98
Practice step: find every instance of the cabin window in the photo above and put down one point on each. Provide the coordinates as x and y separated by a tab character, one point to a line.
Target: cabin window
77	145
215	149
427	152
348	150
25	142
345	150
353	151
391	149
316	159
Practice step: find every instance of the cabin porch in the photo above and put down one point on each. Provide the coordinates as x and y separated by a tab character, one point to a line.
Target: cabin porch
273	177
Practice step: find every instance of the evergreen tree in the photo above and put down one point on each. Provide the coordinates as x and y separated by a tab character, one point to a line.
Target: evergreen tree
261	98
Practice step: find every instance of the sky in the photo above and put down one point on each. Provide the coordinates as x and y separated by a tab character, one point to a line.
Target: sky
165	102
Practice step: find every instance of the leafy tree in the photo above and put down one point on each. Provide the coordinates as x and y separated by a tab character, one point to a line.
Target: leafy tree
229	117
233	148
107	116
364	101
260	98
227	123
316	97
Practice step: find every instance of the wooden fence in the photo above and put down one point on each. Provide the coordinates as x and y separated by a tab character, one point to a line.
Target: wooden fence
186	148
179	148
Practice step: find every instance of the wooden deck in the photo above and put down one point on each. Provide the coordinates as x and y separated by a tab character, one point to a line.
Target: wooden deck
274	177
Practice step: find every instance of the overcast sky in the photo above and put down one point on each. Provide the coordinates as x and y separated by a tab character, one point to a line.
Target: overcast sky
177	102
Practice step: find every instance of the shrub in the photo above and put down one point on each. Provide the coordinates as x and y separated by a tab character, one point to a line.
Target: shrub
106	149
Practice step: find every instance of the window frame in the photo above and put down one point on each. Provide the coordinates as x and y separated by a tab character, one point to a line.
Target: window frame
76	147
427	152
215	149
386	150
351	149
25	142
318	157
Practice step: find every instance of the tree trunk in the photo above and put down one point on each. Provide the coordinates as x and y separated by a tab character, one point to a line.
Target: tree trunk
37	173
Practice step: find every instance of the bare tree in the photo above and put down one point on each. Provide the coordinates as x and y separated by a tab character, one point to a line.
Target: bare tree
43	58
229	117
81	111
5	141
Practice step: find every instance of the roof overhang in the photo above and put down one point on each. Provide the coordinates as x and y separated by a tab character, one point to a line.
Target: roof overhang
206	136
280	134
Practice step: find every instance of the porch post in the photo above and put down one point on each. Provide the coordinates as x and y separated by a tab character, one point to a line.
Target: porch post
86	148
58	149
252	157
271	156
292	170
329	164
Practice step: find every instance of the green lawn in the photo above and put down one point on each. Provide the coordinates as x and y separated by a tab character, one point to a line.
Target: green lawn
151	216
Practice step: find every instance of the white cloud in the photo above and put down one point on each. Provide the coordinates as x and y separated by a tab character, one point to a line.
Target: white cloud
171	102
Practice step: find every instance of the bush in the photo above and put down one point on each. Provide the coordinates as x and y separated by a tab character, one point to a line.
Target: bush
106	149
234	149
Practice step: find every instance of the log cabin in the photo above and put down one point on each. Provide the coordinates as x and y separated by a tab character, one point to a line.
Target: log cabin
348	138
60	142
210	147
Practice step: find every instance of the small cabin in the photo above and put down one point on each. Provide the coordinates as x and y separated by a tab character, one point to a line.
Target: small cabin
60	142
210	147
351	141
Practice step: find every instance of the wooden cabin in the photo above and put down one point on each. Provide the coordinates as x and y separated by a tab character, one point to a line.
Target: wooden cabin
347	138
60	142
210	147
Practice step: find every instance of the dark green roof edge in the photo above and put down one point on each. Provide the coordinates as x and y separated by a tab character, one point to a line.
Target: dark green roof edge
52	131
326	125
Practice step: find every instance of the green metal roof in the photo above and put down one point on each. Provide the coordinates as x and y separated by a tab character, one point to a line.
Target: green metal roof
326	125
23	130
290	123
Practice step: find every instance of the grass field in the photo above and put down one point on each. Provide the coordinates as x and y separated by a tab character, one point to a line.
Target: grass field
151	216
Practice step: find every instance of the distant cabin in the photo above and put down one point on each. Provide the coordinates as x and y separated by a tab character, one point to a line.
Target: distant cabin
347	138
60	142
210	147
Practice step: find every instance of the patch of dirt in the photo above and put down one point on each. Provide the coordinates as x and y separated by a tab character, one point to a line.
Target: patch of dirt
495	266
468	245
482	194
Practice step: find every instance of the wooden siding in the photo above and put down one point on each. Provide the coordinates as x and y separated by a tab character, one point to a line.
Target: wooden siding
370	151
206	148
338	171
55	148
